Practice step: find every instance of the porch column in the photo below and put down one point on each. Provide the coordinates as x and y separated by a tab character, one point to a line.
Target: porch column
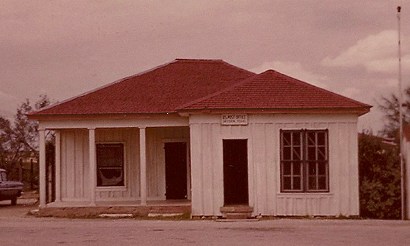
93	165
143	167
58	166
42	167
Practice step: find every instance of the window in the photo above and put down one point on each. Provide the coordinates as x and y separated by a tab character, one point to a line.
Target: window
304	161
110	165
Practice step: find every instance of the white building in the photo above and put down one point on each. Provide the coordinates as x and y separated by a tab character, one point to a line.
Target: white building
210	134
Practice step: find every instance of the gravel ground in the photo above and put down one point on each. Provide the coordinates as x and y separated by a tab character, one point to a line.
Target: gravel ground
24	205
18	228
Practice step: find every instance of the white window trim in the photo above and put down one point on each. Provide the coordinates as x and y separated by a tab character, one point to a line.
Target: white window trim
279	177
126	166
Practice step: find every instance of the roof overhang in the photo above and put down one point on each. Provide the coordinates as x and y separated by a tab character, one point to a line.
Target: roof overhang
113	116
356	111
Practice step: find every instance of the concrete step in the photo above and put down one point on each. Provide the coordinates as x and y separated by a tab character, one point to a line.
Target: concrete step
236	212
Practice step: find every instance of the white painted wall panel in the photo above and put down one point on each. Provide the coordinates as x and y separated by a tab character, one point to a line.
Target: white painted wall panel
75	167
74	162
263	133
156	138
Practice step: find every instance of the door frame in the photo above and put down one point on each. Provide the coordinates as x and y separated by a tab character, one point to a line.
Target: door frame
247	166
188	162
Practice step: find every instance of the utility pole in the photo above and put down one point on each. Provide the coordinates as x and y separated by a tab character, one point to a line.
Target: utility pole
402	162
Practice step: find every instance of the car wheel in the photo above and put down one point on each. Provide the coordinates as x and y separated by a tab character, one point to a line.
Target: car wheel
14	201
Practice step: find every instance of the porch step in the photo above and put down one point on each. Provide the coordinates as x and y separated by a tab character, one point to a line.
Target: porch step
236	212
170	209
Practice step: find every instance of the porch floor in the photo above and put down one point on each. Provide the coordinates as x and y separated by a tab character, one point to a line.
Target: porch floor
84	209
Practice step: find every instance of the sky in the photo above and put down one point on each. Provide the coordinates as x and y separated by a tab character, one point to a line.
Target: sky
68	47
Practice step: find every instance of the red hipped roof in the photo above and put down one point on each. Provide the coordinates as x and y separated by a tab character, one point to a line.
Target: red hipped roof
190	84
273	90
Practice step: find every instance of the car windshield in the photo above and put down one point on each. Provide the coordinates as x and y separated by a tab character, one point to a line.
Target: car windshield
3	176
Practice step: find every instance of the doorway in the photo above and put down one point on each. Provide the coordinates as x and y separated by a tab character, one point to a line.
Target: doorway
176	170
235	168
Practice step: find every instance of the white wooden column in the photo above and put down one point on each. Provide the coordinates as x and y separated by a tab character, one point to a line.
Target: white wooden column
58	166
93	165
143	167
42	167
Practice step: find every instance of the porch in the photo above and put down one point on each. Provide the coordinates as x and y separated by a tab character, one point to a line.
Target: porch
102	164
168	208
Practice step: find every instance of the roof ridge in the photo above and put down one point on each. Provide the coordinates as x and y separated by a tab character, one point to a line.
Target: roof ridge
243	81
317	87
198	60
289	79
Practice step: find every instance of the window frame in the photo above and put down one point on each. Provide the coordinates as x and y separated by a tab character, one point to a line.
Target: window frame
303	149
124	169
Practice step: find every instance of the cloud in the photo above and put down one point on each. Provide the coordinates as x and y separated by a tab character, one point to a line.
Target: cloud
293	69
376	53
8	103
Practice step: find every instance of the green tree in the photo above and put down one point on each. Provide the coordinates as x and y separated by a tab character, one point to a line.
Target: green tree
379	171
20	139
390	107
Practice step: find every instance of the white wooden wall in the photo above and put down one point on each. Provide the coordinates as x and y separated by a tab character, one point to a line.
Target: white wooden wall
156	137
263	134
75	166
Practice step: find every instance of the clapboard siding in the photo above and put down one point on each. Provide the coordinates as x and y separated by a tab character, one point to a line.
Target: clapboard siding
156	137
263	134
75	162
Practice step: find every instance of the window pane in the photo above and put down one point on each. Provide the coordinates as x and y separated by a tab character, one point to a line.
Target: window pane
297	168
286	153
312	169
304	158
322	169
297	155
321	138
110	177
311	138
297	183
311	152
296	138
312	183
322	183
286	138
321	153
287	168
110	164
287	183
110	155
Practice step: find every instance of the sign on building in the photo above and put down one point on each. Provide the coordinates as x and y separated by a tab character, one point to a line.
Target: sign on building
234	119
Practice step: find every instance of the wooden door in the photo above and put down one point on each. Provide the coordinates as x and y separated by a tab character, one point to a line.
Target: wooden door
235	158
176	170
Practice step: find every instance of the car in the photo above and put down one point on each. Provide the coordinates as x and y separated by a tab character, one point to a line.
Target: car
9	190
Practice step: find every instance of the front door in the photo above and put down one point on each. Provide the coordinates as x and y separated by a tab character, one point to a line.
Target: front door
176	170
235	157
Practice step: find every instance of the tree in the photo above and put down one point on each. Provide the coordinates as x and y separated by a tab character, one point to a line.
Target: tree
390	107
20	139
5	140
379	171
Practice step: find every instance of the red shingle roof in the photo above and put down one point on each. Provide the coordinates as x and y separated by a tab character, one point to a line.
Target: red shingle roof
273	90
160	90
188	84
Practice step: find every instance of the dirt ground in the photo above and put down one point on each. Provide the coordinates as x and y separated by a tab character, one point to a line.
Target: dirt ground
15	222
27	202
